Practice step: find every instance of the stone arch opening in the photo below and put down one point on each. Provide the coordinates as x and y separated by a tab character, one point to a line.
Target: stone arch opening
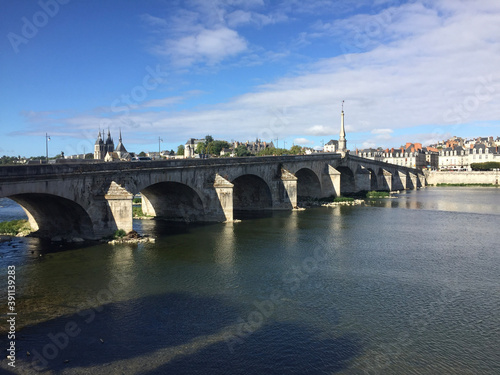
308	184
250	193
347	181
172	201
373	179
52	216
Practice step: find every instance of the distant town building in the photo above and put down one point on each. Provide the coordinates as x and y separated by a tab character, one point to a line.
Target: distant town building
190	147
412	155
460	158
254	147
332	146
105	150
101	147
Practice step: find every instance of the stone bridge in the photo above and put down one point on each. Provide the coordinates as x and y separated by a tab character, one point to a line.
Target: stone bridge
91	201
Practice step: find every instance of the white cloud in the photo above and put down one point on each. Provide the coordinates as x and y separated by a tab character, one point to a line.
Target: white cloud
303	141
432	65
210	46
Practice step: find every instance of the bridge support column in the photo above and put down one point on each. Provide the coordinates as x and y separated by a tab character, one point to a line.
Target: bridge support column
119	209
362	179
403	177
288	194
224	190
421	179
331	182
385	180
414	180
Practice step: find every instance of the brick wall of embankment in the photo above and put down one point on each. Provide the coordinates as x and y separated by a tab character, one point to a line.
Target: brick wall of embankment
435	177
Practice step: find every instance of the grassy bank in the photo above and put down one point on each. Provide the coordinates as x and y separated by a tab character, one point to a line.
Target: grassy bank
378	194
14	227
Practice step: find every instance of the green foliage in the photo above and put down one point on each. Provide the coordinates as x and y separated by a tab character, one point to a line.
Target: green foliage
142	153
200	148
120	233
343	199
137	200
9	159
296	150
14	227
242	151
137	211
273	152
180	150
208	139
378	194
215	147
485	166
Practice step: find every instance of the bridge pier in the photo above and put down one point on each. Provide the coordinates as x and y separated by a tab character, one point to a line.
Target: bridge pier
331	182
224	190
288	191
362	179
385	180
421	179
403	177
414	180
117	211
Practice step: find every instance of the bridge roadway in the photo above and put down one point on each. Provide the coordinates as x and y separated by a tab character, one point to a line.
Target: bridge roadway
92	201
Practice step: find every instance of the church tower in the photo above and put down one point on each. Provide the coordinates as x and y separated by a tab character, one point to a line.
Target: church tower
99	148
342	140
109	145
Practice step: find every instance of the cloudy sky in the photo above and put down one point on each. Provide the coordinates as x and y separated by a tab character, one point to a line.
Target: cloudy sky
408	71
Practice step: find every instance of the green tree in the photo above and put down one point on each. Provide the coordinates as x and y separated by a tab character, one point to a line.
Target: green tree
200	148
142	153
296	150
242	151
215	147
180	150
208	139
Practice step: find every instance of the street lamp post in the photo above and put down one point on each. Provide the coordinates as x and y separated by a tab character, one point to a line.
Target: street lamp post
47	139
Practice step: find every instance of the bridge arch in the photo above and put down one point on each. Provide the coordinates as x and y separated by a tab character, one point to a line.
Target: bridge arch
251	193
172	201
54	216
308	183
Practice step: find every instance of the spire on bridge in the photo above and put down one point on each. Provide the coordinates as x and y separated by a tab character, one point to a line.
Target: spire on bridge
342	140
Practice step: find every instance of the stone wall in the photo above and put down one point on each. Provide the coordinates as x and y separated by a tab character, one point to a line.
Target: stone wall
435	177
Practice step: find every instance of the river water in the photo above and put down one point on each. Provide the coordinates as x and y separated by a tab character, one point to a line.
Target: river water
397	286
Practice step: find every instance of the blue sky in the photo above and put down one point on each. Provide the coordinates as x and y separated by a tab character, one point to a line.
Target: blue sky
409	71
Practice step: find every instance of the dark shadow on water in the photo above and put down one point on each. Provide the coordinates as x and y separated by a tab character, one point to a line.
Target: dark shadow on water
279	348
128	329
136	328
